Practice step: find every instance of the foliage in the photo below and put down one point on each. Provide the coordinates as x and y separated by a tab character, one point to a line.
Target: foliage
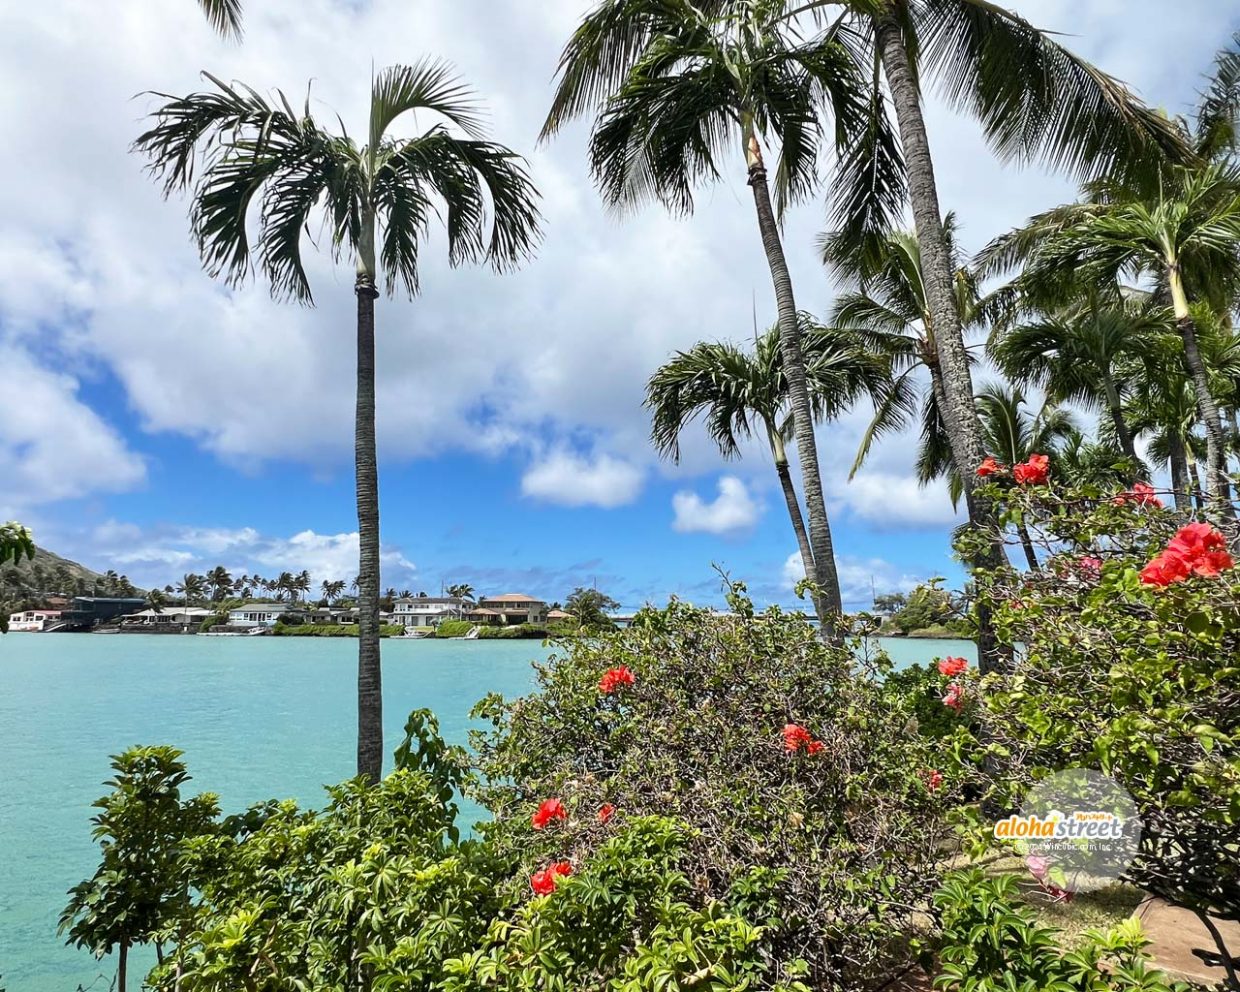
282	629
15	542
990	942
1139	680
141	886
847	838
928	606
590	607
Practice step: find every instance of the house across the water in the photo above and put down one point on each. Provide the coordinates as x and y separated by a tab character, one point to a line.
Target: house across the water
258	614
509	609
33	621
90	611
426	611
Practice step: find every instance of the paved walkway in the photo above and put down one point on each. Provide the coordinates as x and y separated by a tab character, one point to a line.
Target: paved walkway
1180	943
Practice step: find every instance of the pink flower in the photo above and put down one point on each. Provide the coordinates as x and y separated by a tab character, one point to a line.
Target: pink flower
548	811
934	781
605	812
614	678
1090	565
954	699
951	667
1038	866
1034	472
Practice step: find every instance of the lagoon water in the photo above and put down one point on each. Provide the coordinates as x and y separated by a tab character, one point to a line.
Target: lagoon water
256	717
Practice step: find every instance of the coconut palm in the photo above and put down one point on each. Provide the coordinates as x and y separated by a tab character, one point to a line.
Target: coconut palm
1162	409
461	590
678	88
1012	434
235	147
224	15
1076	354
1186	236
741	392
191	588
885	302
1085	461
220	581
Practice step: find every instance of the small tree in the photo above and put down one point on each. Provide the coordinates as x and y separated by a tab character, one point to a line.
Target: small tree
590	608
139	887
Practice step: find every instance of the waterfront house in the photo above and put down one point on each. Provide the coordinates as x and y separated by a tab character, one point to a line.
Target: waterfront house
259	614
426	611
90	611
171	618
509	609
33	621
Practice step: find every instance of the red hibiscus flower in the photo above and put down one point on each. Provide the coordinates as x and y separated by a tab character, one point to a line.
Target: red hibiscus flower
614	678
543	882
951	667
797	737
1033	472
1196	549
954	699
988	467
548	810
1141	494
605	812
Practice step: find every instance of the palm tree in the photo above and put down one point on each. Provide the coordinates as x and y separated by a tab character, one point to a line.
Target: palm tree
378	201
461	590
1012	434
676	87
220	581
1076	353
1163	410
885	302
1186	236
1084	461
191	588
224	15
332	589
740	392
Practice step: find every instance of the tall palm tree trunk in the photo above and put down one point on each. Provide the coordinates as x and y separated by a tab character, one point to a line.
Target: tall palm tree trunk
964	431
1177	458
369	674
798	522
825	574
1216	441
1116	408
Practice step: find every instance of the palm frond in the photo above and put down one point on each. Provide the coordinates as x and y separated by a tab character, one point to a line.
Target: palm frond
430	85
1217	124
224	16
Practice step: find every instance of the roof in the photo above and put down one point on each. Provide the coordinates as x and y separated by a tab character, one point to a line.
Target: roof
262	608
175	611
449	600
558	615
510	597
482	612
108	599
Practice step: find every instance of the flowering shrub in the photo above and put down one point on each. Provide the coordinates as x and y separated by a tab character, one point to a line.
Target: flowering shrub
615	679
723	729
1033	472
1138	678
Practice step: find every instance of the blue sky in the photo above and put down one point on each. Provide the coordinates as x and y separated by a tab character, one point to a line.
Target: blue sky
157	423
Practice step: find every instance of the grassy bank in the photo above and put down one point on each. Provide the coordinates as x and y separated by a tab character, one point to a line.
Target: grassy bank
332	630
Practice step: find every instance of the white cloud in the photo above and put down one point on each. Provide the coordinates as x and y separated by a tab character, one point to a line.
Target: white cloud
155	556
571	480
734	509
893	501
52	445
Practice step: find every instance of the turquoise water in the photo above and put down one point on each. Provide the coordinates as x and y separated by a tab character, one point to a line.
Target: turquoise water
256	717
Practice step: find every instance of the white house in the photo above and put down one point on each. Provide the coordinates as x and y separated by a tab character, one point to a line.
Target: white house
172	616
258	614
426	611
33	621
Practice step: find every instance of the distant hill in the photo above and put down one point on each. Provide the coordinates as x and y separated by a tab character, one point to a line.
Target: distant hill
51	565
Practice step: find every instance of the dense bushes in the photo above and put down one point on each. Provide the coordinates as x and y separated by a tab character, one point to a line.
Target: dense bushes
453	628
332	630
1128	669
844	833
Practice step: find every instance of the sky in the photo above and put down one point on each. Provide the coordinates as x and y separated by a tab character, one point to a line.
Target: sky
156	422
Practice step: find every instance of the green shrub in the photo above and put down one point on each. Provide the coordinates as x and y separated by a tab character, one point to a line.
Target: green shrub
1139	680
212	621
333	630
990	942
850	837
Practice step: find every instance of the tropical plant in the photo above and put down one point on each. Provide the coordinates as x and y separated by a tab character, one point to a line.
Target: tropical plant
1186	236
224	15
16	542
1012	435
739	392
140	888
191	588
233	147
220	581
461	590
677	88
332	589
1077	354
590	607
885	303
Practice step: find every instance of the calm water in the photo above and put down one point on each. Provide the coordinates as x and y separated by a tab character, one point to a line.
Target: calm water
256	717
